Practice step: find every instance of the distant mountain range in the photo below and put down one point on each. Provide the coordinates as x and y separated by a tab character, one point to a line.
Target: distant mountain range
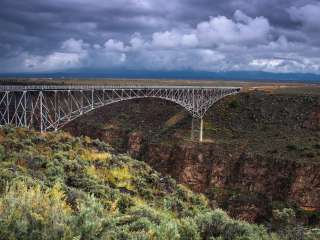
201	75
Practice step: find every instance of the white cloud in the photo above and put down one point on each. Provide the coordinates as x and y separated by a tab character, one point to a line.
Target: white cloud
137	42
73	45
167	39
209	56
96	46
174	39
54	61
239	16
219	44
285	65
217	31
190	40
114	45
70	55
308	15
123	57
242	30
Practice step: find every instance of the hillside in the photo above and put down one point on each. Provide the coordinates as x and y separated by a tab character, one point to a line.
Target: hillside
54	186
261	151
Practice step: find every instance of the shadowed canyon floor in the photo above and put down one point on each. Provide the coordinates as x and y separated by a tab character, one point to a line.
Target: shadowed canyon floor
261	150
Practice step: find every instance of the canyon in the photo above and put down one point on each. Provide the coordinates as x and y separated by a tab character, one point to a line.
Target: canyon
261	151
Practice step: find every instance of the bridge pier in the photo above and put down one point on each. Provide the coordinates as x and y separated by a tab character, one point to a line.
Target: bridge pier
192	129
197	129
201	130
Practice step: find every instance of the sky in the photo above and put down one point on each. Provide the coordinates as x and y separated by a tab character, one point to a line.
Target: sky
280	36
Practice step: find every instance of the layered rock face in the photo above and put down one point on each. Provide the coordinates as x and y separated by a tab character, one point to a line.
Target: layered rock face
135	144
247	184
260	152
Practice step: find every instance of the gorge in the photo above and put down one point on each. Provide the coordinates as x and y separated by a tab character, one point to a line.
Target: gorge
261	151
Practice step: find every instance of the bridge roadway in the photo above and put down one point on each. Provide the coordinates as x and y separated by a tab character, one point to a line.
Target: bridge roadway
50	107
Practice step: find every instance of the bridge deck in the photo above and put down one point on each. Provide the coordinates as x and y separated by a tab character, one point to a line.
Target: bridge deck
102	87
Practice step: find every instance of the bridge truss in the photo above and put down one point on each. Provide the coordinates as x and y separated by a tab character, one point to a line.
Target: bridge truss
51	107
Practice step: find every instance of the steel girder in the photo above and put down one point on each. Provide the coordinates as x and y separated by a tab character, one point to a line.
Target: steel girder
51	107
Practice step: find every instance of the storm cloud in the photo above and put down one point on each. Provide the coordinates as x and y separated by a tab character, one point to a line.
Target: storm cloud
56	35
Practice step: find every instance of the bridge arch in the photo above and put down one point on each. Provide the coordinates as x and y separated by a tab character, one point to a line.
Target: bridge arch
52	107
119	101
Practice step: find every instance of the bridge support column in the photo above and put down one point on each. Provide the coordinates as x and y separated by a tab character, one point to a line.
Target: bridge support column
41	111
197	129
201	130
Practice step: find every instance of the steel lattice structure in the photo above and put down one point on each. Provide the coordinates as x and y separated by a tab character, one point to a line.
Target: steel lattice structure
51	107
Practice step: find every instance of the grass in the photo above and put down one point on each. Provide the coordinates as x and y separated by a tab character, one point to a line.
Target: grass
95	156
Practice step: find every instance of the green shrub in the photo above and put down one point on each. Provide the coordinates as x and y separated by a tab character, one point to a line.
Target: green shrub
2	152
33	213
141	224
54	171
217	224
189	230
283	218
167	230
234	104
284	222
62	187
312	234
36	139
145	212
292	147
124	203
92	220
101	146
211	224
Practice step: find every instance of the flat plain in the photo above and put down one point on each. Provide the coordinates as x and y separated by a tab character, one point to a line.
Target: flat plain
270	87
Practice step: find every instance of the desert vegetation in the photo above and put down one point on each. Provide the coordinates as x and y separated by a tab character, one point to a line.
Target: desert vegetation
54	186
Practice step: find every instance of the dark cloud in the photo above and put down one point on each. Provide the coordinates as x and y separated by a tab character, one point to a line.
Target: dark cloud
48	35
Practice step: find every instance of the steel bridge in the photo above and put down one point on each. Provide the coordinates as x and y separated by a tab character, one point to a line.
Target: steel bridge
51	107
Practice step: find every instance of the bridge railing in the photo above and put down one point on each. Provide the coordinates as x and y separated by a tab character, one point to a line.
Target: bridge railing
101	87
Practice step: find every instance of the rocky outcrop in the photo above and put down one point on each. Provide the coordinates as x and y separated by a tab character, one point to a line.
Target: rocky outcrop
305	187
135	141
246	183
313	122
